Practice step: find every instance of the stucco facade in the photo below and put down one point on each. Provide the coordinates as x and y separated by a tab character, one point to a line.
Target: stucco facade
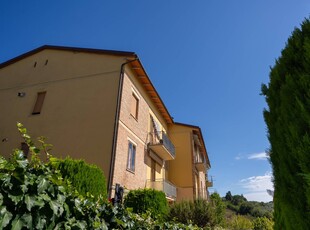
76	116
100	106
189	170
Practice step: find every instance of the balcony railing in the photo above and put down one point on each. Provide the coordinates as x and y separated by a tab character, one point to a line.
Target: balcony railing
163	185
209	183
161	145
201	164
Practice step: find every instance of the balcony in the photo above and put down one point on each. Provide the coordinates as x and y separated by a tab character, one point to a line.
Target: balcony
163	185
209	183
200	163
161	145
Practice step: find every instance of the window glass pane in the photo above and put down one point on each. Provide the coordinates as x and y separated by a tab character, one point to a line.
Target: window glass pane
131	156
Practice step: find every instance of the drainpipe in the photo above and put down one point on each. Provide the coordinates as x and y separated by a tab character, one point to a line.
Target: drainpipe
118	108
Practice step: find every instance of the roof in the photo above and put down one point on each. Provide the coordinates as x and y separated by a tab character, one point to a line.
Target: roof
136	66
65	48
199	133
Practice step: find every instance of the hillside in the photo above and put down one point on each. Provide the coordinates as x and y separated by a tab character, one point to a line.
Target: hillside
238	204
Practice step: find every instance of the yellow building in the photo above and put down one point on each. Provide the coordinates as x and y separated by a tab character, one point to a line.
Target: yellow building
101	106
189	170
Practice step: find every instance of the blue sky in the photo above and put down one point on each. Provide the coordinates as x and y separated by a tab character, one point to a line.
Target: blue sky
207	60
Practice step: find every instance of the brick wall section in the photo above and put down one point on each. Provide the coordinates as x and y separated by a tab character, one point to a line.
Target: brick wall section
140	126
137	131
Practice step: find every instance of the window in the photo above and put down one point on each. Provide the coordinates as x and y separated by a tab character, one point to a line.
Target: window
25	148
131	156
39	103
134	106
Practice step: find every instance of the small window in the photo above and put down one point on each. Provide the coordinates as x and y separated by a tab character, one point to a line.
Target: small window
134	106
25	148
131	156
39	103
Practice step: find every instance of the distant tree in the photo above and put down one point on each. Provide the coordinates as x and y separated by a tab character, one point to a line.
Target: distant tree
288	122
228	196
238	199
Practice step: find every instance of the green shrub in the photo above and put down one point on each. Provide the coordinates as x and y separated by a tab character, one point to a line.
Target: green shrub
218	208
262	223
34	196
232	207
86	178
199	212
147	200
245	208
182	211
239	223
202	213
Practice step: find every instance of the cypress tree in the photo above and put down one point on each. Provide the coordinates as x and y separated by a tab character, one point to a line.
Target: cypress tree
288	122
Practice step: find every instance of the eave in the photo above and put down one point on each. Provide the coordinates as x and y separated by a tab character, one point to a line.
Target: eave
197	131
145	81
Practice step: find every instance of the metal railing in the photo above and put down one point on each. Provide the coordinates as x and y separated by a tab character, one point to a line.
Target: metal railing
161	138
209	183
163	185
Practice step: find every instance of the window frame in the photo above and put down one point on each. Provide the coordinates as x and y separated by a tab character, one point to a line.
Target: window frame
39	103
134	106
131	156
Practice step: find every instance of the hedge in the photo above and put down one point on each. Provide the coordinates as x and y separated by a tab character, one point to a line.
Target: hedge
147	200
86	178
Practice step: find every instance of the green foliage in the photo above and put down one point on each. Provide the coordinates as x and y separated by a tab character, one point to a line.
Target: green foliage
147	200
228	196
240	223
199	212
218	208
35	196
238	199
241	206
145	221
182	211
86	178
232	207
245	208
262	223
288	122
